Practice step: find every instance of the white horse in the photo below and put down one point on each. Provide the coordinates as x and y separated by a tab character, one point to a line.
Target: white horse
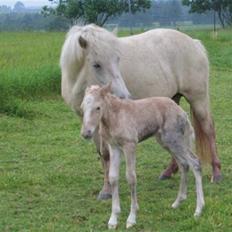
159	62
124	123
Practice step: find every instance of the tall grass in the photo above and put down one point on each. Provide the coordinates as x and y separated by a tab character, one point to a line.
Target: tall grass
29	68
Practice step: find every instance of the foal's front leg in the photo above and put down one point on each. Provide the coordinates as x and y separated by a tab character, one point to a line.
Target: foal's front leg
129	151
103	151
113	178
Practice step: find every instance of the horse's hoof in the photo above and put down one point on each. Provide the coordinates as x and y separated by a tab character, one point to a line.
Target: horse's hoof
164	177
216	179
129	225
104	196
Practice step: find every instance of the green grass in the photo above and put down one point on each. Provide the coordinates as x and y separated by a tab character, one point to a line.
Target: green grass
50	176
28	69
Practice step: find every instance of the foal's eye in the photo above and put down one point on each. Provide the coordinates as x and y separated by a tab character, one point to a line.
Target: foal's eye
98	108
97	66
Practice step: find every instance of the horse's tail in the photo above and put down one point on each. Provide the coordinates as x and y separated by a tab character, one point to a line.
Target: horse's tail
201	140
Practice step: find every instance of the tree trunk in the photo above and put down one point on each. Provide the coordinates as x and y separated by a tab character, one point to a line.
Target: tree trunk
221	18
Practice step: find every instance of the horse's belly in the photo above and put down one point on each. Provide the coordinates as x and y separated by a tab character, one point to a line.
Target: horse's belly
142	85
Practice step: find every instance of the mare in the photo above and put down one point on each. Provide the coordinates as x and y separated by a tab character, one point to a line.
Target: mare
160	62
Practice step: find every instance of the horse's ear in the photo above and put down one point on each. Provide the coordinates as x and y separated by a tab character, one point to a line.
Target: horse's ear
83	42
115	31
106	89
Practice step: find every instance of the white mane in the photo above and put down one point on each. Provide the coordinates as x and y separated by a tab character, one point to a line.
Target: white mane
100	41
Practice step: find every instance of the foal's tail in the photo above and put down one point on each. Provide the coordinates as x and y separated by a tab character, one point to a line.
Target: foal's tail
201	140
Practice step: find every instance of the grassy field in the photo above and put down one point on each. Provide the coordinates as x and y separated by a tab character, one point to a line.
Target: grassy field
50	176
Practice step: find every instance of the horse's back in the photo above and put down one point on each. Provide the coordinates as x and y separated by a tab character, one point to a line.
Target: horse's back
163	62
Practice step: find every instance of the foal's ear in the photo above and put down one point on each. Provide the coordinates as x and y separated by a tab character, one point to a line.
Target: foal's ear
83	42
106	89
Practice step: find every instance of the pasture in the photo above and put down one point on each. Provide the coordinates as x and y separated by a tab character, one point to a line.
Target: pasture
50	176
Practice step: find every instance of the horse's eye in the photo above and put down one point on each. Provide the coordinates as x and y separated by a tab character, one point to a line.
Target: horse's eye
97	66
98	108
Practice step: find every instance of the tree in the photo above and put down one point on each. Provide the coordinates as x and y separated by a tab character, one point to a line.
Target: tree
19	7
5	9
223	8
95	11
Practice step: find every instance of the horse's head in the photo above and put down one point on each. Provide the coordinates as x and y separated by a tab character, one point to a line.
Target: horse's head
101	59
93	109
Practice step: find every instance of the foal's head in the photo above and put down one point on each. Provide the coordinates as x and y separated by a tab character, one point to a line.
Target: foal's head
93	108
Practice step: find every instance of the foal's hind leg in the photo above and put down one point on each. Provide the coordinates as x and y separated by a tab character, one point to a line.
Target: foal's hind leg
172	167
196	168
178	145
182	194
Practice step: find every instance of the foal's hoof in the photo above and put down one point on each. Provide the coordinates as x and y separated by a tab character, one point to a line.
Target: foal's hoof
197	215
104	196
175	205
112	226
216	179
164	177
129	224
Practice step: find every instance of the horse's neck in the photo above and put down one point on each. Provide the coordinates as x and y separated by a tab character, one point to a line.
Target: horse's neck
78	90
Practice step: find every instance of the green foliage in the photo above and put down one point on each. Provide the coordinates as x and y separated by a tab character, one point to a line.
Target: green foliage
95	11
31	22
50	176
222	7
19	7
4	9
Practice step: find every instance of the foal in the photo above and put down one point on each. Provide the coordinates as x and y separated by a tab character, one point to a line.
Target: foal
124	123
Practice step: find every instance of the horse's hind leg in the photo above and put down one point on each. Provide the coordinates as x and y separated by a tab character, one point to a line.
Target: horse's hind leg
171	169
205	136
182	194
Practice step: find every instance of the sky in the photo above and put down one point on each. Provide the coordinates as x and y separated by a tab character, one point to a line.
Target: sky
27	3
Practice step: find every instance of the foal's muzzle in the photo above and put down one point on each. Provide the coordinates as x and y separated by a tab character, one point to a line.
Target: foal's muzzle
87	134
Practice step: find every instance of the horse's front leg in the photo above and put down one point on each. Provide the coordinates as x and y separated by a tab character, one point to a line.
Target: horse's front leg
103	151
113	178
129	151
